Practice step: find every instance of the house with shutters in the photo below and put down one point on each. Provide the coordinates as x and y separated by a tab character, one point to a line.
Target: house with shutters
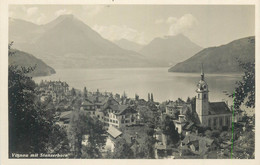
108	111
119	115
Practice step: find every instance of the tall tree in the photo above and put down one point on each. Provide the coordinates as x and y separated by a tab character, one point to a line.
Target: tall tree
76	131
168	128
85	92
82	125
96	139
146	149
32	127
123	150
73	92
245	89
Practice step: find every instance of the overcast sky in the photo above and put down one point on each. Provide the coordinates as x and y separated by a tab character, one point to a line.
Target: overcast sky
205	25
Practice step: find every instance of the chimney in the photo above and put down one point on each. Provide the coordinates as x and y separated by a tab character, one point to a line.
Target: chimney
149	97
181	118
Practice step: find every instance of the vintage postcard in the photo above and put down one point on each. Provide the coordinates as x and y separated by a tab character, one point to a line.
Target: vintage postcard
137	81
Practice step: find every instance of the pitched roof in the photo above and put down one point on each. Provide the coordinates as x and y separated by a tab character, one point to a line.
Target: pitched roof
188	125
65	115
101	99
218	108
191	137
122	109
204	142
113	132
87	102
118	108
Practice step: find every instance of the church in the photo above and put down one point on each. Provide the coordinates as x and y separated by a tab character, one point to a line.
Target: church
215	115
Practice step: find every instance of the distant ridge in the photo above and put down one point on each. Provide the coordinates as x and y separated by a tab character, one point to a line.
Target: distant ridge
67	42
221	59
24	59
128	45
170	50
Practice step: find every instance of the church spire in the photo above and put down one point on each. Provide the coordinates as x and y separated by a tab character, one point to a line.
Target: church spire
202	72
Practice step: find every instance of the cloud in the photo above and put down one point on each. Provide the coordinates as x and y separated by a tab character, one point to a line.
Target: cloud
114	32
62	12
93	10
171	20
179	25
32	11
183	24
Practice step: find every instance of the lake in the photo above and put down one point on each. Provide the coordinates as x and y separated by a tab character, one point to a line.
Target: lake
163	84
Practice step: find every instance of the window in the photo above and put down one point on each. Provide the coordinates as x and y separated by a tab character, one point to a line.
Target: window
110	120
122	121
215	122
98	116
220	122
227	121
116	122
205	96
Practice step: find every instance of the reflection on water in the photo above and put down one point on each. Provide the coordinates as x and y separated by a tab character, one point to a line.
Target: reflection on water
159	81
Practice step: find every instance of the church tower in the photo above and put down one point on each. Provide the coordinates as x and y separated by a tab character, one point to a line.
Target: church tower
202	99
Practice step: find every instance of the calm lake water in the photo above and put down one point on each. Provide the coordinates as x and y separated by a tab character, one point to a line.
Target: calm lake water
163	84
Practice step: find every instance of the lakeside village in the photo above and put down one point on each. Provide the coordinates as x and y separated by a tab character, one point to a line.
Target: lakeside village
194	128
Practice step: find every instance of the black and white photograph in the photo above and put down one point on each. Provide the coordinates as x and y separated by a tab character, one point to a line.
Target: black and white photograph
131	81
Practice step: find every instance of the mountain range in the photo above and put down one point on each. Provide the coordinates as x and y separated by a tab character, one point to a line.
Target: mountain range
67	42
221	59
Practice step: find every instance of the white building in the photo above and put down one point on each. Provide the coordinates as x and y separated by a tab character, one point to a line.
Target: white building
211	114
